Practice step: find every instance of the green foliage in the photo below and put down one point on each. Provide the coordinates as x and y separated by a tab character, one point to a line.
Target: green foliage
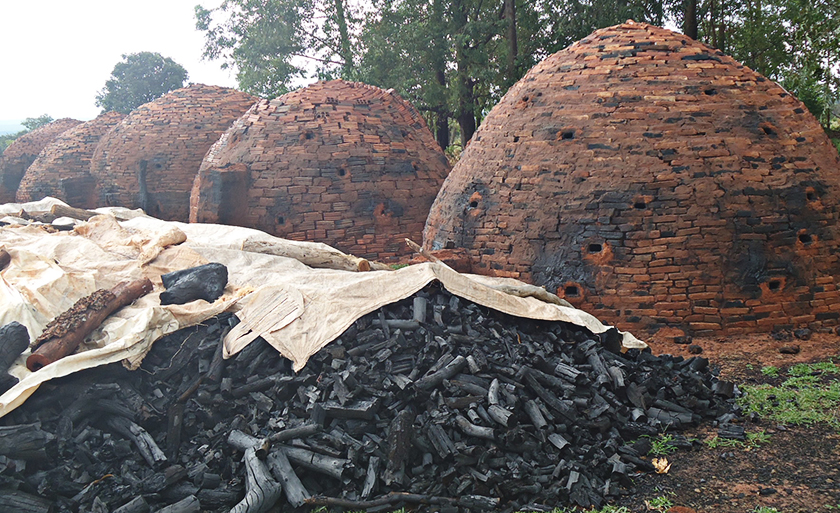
811	394
140	78
33	123
29	124
662	445
770	371
272	43
660	503
605	509
765	509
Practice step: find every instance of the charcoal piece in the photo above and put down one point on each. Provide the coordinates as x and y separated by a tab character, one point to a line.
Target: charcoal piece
327	465
400	434
21	502
364	410
472	430
557	440
144	442
136	505
732	432
295	432
14	339
295	492
441	441
550	399
262	490
534	413
190	504
205	282
24	441
501	415
724	388
370	476
436	378
419	309
570	374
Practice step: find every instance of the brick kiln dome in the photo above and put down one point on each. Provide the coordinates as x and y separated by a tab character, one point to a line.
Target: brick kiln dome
656	182
151	158
23	151
62	170
338	162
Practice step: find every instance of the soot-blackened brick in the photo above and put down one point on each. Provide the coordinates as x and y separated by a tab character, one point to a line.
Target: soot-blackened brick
343	163
22	153
62	170
724	189
150	159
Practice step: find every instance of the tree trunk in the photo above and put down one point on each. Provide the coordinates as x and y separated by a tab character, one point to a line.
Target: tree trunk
346	54
513	47
690	22
439	60
465	108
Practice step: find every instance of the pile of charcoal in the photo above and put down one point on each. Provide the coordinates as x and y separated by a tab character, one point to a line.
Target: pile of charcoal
433	402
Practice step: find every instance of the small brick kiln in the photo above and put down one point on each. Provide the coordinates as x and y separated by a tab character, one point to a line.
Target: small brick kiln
343	163
23	151
656	182
150	159
62	170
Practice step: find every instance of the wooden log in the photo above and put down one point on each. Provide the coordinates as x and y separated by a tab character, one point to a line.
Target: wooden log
550	399
190	504
319	256
327	465
295	432
75	213
64	333
534	413
295	492
400	435
21	502
144	442
262	491
499	415
418	308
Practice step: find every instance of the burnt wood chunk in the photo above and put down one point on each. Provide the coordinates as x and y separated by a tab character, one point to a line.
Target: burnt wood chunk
262	490
190	504
448	371
295	492
14	339
23	441
205	282
144	442
21	502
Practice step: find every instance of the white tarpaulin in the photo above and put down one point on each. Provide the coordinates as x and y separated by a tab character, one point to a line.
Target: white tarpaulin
296	308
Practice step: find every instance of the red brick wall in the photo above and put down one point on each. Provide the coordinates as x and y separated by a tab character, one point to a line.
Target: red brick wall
62	170
23	151
337	162
654	182
151	158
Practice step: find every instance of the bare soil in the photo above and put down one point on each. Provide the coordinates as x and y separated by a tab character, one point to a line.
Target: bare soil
797	471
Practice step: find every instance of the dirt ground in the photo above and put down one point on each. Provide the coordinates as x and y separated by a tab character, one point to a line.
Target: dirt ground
798	471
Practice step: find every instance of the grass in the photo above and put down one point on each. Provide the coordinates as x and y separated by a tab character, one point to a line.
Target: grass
765	509
605	509
753	441
662	445
660	503
770	371
809	395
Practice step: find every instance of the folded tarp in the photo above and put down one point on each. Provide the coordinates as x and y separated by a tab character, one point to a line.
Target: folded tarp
296	308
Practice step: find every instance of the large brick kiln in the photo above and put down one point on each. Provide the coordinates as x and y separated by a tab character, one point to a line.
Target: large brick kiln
150	159
23	151
657	183
62	170
338	162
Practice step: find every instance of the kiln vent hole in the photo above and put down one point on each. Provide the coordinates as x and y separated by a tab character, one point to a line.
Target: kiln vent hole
309	135
710	92
595	248
640	205
810	196
571	291
342	172
516	138
281	220
805	238
567	134
473	204
768	130
774	285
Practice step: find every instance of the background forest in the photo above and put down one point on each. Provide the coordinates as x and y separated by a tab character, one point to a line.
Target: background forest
454	59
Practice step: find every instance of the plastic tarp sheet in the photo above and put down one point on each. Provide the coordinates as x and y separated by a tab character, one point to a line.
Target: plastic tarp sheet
295	308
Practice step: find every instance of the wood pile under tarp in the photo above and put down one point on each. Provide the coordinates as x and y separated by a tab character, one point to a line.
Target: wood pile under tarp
433	401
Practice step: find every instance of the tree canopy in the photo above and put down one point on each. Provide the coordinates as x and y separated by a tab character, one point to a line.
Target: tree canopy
140	78
29	124
454	59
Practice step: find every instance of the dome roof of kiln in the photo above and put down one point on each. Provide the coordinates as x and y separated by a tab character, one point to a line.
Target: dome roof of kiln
338	162
656	181
151	158
62	170
23	151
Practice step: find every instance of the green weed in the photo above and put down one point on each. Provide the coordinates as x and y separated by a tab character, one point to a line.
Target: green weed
661	503
753	441
662	445
765	509
770	371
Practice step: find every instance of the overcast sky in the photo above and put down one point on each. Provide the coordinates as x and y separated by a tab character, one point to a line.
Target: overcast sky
55	55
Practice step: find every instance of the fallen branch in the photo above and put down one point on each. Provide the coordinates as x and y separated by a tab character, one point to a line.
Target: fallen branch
146	445
64	333
478	502
314	255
